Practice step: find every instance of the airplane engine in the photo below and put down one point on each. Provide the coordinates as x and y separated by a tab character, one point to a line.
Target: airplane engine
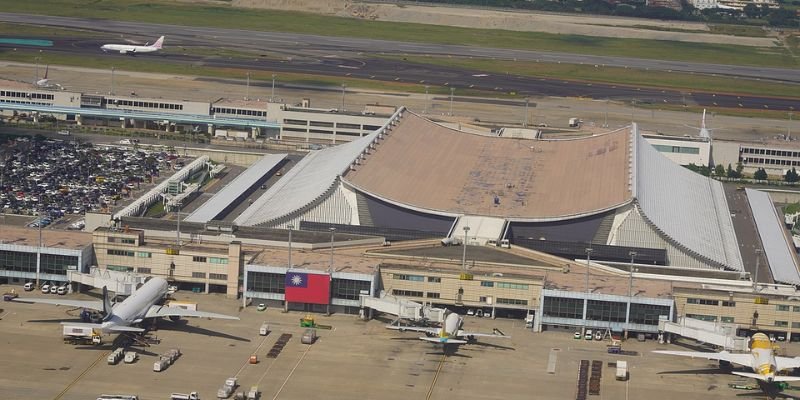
428	334
174	318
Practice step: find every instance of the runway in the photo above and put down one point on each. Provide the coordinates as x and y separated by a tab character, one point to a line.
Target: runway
355	58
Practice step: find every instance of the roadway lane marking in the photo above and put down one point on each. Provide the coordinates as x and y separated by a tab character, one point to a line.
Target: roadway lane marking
291	372
436	377
255	352
89	368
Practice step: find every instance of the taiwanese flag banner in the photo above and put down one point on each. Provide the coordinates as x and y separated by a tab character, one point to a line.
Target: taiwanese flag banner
307	288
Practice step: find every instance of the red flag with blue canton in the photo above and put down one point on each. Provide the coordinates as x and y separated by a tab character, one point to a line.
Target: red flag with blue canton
303	287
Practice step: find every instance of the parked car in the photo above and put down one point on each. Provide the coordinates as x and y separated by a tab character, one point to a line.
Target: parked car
62	290
470	312
577	335
588	334
598	335
261	307
46	288
29	286
53	289
63	132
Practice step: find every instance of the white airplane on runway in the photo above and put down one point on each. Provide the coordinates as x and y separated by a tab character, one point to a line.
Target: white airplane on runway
121	317
132	49
761	359
449	333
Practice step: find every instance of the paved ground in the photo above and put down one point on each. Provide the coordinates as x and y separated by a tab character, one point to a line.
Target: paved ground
354	360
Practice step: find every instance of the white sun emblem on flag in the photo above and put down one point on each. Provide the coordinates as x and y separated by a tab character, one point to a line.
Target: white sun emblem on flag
297	280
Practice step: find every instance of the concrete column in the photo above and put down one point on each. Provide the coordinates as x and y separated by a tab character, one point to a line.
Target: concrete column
122	123
235	261
78	120
166	129
211	129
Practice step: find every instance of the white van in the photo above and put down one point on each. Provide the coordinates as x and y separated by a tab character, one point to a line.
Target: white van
46	288
264	330
53	289
29	286
62	290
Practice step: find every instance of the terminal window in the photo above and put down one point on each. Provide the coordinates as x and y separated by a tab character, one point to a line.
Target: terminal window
405	277
266	282
219	277
563	307
409	293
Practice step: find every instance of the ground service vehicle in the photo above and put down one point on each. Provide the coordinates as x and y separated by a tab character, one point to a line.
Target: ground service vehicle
309	336
253	393
185	396
118	397
622	370
264	330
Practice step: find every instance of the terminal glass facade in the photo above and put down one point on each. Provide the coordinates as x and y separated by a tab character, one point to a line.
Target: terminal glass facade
564	308
266	282
647	314
17	261
348	289
610	311
56	264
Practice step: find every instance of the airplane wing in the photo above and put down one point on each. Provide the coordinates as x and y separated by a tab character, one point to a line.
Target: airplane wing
167	311
744	359
476	334
430	331
783	363
91	304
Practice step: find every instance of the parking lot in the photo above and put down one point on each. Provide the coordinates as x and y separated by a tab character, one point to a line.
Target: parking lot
355	359
54	178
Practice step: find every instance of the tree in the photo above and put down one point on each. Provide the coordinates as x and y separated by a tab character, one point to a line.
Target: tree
760	174
791	176
739	170
730	173
719	170
752	11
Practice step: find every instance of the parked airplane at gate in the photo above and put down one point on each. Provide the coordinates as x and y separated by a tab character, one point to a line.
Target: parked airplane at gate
121	317
449	333
761	359
132	49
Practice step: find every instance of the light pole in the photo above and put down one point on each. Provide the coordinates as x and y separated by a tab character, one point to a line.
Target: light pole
272	95
464	257
36	79
290	226
605	118
755	280
588	261
333	232
525	123
330	274
178	234
39	250
344	87
452	92
630	280
586	300
247	90
427	100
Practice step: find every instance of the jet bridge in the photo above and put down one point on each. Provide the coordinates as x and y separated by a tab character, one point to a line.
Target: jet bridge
402	308
720	335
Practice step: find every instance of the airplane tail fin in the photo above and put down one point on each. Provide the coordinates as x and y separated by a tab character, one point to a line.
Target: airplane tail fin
46	70
703	121
107	307
158	43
